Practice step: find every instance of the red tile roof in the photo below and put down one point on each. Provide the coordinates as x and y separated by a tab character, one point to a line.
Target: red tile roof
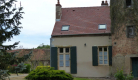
83	20
37	54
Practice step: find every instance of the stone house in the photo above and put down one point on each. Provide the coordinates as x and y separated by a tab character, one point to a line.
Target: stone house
86	43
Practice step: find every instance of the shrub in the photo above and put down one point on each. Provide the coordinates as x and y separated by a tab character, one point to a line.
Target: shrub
119	75
48	74
46	67
11	69
27	70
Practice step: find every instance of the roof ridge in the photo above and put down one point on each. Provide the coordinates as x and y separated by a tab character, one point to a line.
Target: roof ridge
85	7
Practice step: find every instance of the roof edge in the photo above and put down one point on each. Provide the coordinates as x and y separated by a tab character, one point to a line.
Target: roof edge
80	34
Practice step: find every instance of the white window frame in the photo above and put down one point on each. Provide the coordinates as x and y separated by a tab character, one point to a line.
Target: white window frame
103	55
62	29
102	28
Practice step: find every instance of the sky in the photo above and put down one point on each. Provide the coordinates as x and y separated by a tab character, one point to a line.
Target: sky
39	19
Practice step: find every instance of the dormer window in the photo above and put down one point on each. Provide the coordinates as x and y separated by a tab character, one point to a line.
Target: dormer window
128	3
102	26
65	28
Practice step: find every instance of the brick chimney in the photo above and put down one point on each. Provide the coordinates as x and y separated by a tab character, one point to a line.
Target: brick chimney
58	11
104	3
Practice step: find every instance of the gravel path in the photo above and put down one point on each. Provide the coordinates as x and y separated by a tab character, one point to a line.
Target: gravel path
19	77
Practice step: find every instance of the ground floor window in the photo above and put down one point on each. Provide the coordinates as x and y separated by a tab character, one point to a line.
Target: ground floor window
103	55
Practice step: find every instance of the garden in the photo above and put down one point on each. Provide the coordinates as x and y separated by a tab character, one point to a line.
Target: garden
48	73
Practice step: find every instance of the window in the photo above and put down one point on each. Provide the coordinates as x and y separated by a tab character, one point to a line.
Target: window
102	26
103	55
128	3
61	62
67	50
130	31
61	50
65	28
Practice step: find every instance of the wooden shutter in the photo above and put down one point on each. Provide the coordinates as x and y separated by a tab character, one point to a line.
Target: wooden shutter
73	60
54	57
110	55
95	56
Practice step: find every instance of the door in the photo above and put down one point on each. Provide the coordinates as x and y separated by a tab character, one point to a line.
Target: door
64	59
135	67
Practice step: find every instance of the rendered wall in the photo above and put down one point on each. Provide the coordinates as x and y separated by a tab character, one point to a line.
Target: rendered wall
84	54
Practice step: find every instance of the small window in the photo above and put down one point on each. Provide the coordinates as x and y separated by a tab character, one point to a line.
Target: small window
130	31
103	56
128	3
65	28
67	50
61	50
102	26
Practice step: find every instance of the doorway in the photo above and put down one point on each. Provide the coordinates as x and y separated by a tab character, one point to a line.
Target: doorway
135	67
64	59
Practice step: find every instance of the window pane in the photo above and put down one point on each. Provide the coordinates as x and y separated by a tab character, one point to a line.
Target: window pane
100	49
67	56
67	63
61	64
67	50
101	62
65	27
103	26
105	53
61	57
100	57
105	57
105	61
105	48
100	53
61	50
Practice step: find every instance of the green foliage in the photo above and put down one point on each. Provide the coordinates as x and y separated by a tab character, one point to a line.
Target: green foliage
42	46
9	26
45	67
121	15
11	69
27	70
120	75
48	74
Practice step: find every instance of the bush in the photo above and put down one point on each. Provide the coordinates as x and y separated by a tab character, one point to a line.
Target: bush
11	68
27	70
48	74
46	67
119	75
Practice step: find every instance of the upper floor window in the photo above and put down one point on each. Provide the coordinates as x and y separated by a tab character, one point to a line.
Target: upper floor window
102	26
128	3
130	31
65	28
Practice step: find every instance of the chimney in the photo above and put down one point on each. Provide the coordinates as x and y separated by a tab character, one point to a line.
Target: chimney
104	3
58	11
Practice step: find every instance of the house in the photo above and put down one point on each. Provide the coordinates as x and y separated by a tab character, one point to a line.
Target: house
96	41
81	41
38	57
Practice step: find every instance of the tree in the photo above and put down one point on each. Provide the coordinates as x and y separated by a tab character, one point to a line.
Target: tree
42	46
9	26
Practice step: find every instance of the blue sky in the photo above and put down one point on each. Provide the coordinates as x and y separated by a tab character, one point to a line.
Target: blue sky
39	20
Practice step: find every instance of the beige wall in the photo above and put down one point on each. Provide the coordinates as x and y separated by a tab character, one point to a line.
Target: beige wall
84	54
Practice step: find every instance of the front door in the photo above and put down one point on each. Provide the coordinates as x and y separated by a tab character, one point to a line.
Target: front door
64	59
135	67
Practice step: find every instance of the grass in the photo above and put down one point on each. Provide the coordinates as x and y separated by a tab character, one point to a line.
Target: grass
81	79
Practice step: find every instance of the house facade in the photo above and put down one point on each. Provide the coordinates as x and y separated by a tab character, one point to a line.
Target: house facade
82	42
